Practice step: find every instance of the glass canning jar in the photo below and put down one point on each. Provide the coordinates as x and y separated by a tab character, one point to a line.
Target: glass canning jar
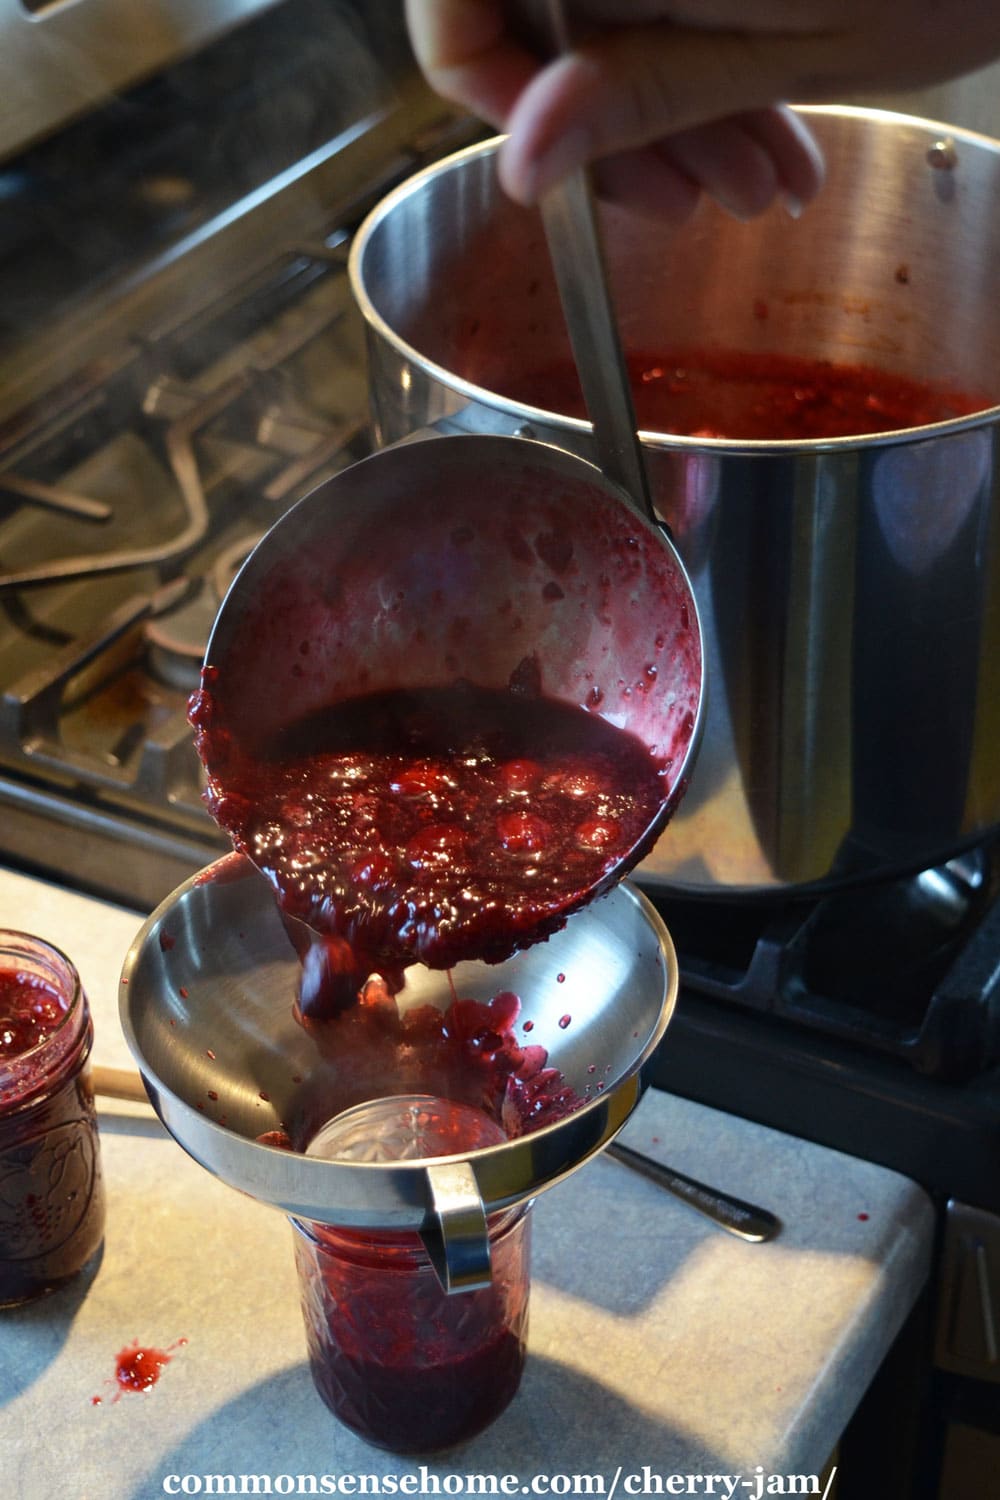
397	1359
51	1190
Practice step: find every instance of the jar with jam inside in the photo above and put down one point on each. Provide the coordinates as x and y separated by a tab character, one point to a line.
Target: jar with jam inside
51	1190
405	1364
400	1361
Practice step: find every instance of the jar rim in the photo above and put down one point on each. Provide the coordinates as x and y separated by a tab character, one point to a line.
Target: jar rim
57	1043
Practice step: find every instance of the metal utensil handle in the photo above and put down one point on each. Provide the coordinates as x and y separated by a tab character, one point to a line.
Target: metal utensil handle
455	1234
574	242
746	1220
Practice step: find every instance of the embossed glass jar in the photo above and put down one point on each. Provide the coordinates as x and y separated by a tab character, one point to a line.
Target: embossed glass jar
51	1190
401	1362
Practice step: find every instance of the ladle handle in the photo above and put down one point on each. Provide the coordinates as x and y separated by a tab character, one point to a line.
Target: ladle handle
577	255
745	1220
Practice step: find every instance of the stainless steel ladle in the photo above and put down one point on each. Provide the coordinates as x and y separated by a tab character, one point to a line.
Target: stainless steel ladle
488	559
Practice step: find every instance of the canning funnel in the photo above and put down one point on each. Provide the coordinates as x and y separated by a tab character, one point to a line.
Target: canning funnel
207	1005
493	561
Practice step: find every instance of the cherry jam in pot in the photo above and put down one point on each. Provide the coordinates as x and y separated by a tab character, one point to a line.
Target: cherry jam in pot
728	393
51	1190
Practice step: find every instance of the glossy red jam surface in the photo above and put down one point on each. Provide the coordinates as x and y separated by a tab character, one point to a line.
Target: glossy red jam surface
30	1009
403	1364
436	825
139	1369
758	397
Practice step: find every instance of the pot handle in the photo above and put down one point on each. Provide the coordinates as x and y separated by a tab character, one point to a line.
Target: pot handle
455	1235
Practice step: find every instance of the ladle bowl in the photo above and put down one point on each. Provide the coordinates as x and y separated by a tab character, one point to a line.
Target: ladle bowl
207	1004
485	559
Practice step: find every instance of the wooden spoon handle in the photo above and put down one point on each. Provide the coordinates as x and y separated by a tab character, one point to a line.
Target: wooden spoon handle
118	1083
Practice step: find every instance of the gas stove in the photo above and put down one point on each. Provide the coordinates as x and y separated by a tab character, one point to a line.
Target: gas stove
165	418
162	469
868	1020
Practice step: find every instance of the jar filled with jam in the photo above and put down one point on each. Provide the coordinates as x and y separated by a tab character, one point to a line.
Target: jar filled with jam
403	1363
51	1191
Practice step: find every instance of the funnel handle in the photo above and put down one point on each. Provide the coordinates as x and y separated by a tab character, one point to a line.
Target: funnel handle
455	1234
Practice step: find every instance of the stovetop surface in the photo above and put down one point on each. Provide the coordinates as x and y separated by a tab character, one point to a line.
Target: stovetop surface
162	471
942	1133
131	489
89	205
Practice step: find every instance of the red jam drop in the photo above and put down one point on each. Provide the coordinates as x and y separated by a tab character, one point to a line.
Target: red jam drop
138	1368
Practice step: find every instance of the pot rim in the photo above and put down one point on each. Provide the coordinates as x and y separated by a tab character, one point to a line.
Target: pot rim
528	414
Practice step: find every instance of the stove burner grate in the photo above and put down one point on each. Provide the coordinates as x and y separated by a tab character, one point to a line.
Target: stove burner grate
908	968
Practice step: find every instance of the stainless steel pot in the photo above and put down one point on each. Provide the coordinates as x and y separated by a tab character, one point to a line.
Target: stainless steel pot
849	590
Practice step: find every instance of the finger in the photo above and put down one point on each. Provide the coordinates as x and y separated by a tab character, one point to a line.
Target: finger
748	160
730	15
468	56
450	33
792	147
728	163
637	87
647	182
744	163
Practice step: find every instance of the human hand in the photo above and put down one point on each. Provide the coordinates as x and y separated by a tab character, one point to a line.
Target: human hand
669	98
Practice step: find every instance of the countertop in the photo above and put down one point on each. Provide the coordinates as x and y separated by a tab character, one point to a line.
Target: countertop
655	1339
